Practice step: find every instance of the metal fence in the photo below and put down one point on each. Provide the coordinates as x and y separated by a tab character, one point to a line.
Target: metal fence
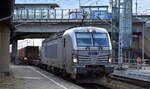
60	14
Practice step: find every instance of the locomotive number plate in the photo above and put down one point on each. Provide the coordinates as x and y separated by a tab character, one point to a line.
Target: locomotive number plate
92	53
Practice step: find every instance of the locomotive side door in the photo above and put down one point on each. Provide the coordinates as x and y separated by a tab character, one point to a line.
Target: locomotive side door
67	40
64	52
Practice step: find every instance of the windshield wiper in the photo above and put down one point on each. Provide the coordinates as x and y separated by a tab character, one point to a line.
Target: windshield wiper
87	47
100	47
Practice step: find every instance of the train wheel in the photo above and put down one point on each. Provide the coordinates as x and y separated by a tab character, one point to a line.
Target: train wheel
74	76
52	69
64	74
47	68
40	65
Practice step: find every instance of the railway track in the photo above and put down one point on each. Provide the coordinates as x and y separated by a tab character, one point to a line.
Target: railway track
93	86
110	82
82	83
135	82
118	82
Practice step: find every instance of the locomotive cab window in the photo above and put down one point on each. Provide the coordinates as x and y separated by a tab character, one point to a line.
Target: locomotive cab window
84	39
100	39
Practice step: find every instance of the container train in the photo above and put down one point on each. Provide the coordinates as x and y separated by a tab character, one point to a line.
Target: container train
78	51
29	55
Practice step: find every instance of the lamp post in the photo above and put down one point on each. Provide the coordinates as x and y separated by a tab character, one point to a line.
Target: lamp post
79	3
136	4
143	50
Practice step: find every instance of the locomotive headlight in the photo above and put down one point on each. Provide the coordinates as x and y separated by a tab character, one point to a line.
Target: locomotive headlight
109	60
25	58
75	60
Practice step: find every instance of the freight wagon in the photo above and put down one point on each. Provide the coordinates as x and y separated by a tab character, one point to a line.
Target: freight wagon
29	55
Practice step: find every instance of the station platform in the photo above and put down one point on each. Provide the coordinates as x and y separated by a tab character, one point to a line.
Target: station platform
142	74
28	77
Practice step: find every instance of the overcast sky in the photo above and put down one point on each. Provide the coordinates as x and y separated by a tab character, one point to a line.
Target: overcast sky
143	5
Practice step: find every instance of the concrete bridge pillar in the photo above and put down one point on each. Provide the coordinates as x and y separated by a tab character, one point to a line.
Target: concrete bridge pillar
4	48
14	51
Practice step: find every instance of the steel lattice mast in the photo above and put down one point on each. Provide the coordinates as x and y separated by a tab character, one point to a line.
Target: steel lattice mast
121	29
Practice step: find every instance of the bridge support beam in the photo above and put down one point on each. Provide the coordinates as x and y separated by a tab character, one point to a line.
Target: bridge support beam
4	48
14	51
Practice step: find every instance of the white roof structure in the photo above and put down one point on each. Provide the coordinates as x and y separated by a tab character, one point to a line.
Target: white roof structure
34	1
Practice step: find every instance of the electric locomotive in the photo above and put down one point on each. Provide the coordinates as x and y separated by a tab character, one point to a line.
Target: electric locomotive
79	50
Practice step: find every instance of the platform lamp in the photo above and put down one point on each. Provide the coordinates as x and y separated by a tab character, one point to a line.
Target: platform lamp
143	49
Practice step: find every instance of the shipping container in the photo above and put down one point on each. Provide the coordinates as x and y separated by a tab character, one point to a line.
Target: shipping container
29	54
